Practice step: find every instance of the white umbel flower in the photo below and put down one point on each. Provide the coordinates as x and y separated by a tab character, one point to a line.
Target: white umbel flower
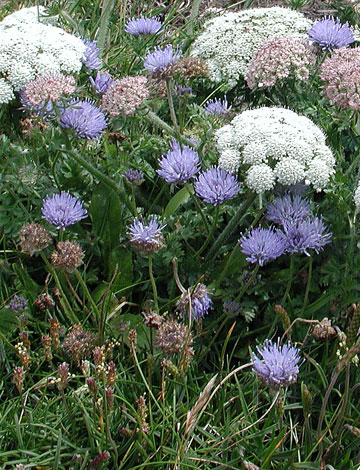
30	46
260	178
6	92
229	41
292	146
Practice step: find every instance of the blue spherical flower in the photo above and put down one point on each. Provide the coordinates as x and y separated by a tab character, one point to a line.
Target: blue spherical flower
17	303
217	106
216	185
158	60
288	208
147	237
200	301
102	82
87	120
262	245
278	366
179	164
62	210
134	176
91	58
329	33
304	235
143	25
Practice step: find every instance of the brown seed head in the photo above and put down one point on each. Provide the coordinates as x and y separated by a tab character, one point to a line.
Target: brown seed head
172	337
34	238
68	256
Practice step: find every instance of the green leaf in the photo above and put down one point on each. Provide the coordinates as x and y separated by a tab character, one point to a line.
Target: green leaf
8	321
179	198
122	258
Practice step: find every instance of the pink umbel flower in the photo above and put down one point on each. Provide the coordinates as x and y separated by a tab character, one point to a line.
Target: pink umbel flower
341	76
279	58
51	86
125	95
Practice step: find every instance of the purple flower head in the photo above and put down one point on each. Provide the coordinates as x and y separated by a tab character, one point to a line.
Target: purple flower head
231	307
147	237
262	245
179	164
200	300
306	234
278	366
91	58
134	176
102	82
143	25
62	210
87	120
216	185
183	90
288	208
158	60
217	106
17	303
329	33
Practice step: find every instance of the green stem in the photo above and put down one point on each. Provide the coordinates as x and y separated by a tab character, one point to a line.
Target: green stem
104	179
193	16
227	265
190	190
289	283
108	5
153	284
248	283
306	296
171	104
340	419
211	233
91	301
231	226
154	119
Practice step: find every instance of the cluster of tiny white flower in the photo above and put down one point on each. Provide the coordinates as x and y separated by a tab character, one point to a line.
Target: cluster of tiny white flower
275	145
30	46
230	41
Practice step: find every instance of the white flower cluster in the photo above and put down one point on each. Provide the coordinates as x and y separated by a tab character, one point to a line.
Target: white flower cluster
29	48
230	41
275	145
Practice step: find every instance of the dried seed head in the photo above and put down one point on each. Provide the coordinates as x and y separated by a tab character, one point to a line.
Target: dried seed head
172	337
99	460
46	344
55	332
63	376
34	238
324	329
68	256
110	373
152	319
79	343
92	386
187	67
18	378
283	315
44	301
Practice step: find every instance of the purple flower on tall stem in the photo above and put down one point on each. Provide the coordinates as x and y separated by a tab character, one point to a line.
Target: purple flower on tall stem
102	82
288	208
158	60
62	210
216	185
179	164
17	303
262	245
91	58
87	120
147	237
143	25
134	176
304	235
217	106
200	300
278	366
329	33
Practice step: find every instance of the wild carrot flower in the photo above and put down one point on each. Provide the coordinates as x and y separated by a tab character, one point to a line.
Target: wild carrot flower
86	119
159	59
102	82
62	210
125	95
277	366
48	87
329	33
145	237
262	245
288	208
91	58
179	164
143	25
216	185
306	234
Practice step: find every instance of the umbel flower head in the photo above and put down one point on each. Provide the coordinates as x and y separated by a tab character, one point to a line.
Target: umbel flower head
262	245
306	234
68	256
277	366
217	107
340	74
279	58
155	62
86	119
179	164
147	237
48	87
91	58
125	95
102	82
330	34
34	238
143	25
200	300
216	185
288	209
62	210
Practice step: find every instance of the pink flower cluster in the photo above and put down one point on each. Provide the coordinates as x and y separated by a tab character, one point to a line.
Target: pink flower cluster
277	59
50	86
125	95
341	76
